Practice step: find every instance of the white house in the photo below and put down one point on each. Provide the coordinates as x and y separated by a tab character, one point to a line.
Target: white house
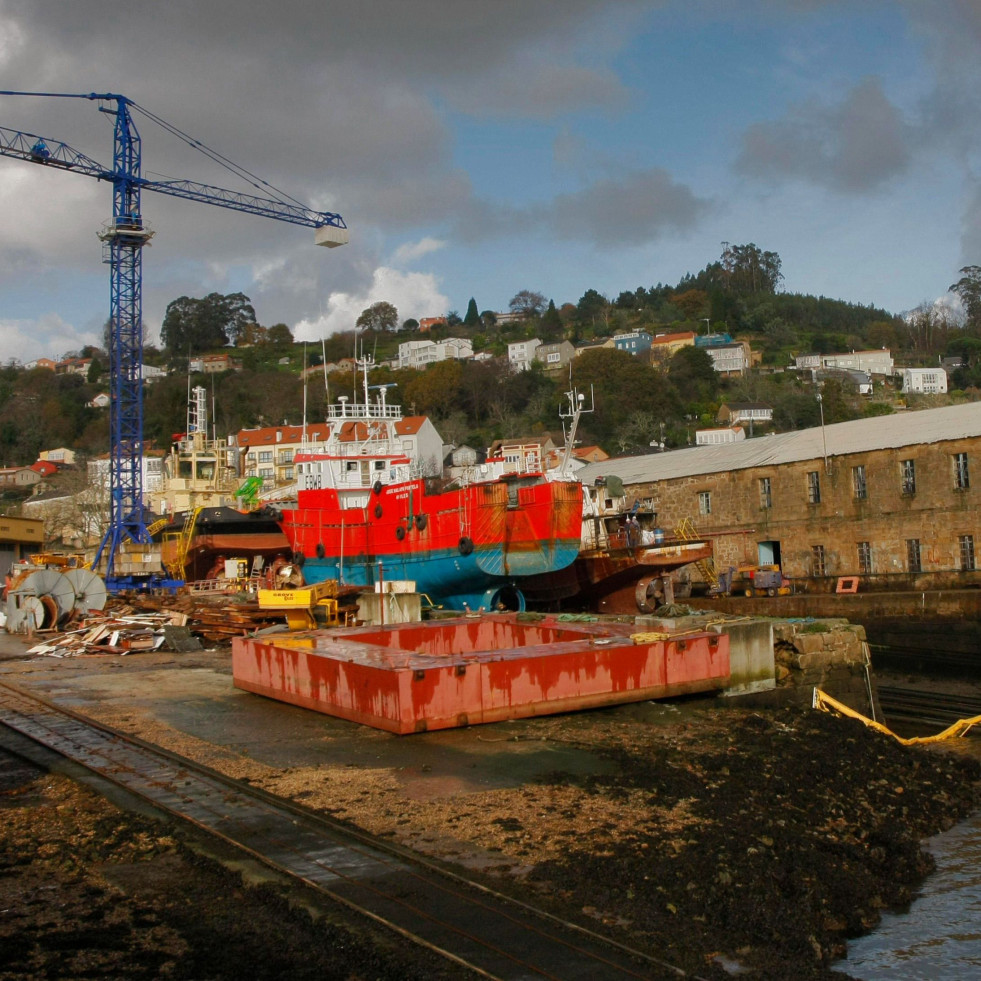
729	359
924	381
716	437
522	353
418	354
752	412
876	362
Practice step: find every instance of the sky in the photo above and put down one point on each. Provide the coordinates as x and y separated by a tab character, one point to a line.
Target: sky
477	148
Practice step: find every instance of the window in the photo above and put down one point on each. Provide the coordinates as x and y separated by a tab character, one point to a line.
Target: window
865	558
966	543
813	487
907	469
858	483
265	456
913	557
766	498
285	457
554	358
817	560
288	473
351	466
379	464
962	478
705	502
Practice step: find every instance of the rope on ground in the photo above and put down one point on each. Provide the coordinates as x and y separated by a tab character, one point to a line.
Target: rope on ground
826	703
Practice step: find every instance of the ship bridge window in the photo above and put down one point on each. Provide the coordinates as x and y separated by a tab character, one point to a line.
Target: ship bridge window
206	470
379	464
351	466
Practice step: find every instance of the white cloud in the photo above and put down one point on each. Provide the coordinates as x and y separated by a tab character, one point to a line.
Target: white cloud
413	295
47	337
415	250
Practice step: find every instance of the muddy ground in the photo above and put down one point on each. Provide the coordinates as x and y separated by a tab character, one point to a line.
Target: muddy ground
716	838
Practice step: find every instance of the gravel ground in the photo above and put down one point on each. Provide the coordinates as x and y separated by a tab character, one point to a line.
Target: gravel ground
718	839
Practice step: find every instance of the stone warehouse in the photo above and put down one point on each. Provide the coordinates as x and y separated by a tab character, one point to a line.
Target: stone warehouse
889	500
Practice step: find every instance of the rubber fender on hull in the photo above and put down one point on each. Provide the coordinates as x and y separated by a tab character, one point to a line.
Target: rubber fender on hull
496	600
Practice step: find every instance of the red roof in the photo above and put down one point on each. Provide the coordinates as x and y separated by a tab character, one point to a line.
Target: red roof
271	435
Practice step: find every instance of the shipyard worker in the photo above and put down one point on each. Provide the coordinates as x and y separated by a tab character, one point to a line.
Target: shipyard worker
633	531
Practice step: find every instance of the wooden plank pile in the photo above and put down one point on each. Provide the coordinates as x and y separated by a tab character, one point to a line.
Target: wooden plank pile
138	622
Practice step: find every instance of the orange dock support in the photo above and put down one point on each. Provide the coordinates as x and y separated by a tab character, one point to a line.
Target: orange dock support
415	677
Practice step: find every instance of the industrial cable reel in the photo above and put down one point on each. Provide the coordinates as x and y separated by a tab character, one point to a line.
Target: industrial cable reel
89	588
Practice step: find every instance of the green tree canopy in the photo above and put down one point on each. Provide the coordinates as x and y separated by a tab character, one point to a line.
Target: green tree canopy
527	303
379	316
472	318
968	288
194	326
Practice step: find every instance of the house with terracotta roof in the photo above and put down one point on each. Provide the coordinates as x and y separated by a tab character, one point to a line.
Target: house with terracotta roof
44	467
664	346
590	454
268	452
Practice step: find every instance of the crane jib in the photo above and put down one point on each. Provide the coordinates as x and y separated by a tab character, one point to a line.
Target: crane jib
124	240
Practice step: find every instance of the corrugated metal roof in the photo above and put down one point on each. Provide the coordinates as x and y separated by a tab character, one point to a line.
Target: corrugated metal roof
841	439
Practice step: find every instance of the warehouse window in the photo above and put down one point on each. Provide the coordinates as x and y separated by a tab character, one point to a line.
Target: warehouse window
864	558
766	499
962	479
907	469
705	502
858	483
817	560
913	555
966	543
813	487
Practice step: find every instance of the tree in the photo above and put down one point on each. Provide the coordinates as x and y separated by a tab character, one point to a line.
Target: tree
410	324
472	318
280	335
968	288
551	325
693	304
691	372
380	316
527	303
192	326
593	306
435	391
748	269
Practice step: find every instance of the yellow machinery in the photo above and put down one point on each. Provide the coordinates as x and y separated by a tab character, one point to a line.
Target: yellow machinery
303	605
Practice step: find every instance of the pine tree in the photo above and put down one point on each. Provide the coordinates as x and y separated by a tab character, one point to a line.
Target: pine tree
472	319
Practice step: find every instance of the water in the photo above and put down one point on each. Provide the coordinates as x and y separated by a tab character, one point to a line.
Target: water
939	939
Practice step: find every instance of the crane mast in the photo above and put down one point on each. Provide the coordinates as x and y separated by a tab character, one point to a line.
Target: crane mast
124	238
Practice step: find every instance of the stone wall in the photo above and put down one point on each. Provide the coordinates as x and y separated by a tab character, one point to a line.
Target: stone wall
937	514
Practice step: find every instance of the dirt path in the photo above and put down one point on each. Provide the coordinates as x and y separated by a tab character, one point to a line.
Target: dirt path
708	836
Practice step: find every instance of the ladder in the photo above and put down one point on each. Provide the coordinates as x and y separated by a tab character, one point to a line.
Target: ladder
182	543
687	531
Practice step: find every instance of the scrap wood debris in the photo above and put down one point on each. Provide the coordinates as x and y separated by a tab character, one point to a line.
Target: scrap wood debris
147	622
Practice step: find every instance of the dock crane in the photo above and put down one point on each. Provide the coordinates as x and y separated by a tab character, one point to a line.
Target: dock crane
124	237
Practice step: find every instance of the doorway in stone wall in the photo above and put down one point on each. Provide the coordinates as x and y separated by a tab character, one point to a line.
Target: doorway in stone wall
768	553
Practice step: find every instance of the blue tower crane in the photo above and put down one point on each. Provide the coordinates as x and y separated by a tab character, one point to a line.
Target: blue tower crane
124	238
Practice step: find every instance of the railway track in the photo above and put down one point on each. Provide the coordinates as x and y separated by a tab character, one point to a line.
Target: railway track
493	935
926	708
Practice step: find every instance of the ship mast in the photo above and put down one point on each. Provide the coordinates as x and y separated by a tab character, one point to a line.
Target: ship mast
575	410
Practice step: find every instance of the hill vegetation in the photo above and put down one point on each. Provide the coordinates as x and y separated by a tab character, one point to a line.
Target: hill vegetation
637	404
